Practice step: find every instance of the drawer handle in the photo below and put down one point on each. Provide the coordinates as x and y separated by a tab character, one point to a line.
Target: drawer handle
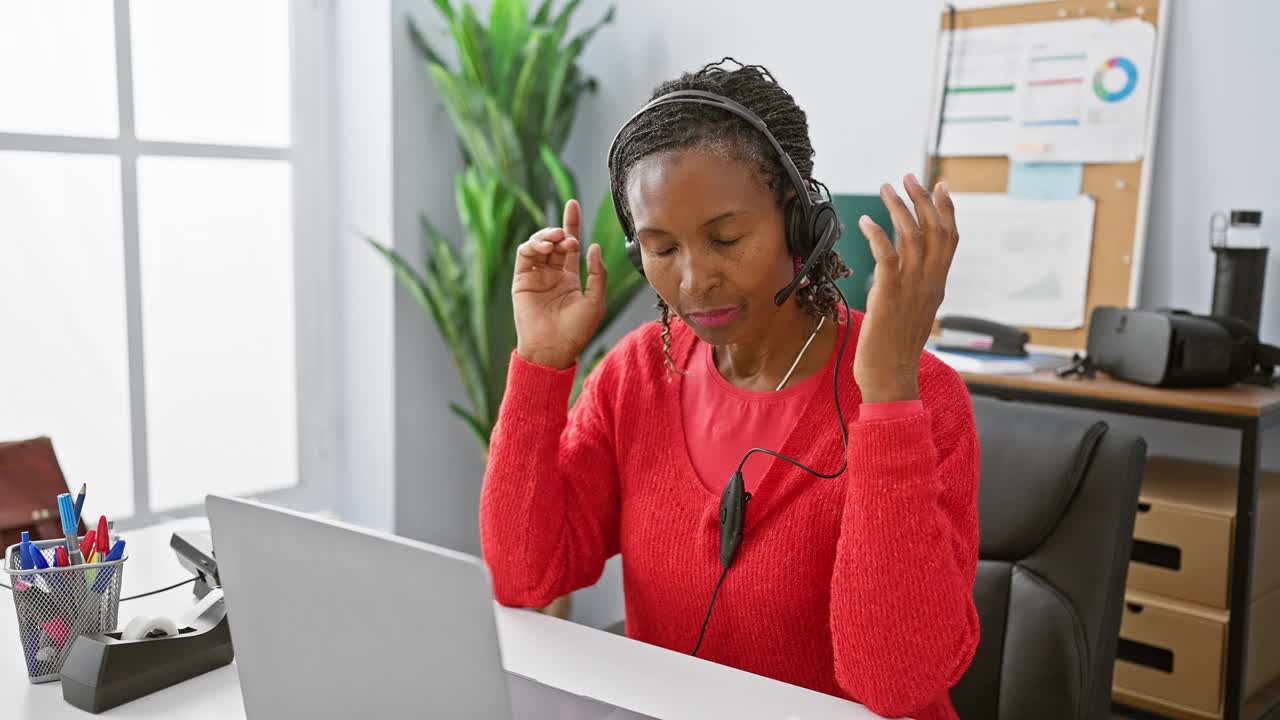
1158	554
1140	653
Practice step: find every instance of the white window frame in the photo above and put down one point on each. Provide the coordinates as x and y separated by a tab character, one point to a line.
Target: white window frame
314	242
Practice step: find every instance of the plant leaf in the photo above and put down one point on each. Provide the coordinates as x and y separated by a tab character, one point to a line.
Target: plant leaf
528	78
508	25
409	278
446	8
465	106
481	428
563	182
473	48
584	370
420	42
543	13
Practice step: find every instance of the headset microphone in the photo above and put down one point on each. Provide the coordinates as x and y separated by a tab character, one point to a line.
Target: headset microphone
828	239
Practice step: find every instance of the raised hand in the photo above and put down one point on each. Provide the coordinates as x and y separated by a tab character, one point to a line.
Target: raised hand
555	318
908	288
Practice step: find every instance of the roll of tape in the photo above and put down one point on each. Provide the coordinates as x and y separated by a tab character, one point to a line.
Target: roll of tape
147	628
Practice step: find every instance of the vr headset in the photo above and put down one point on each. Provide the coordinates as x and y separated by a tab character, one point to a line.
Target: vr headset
1174	348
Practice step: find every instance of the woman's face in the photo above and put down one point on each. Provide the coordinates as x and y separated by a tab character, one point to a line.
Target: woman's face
712	239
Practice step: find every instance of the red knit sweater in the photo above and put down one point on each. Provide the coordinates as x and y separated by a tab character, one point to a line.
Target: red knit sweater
859	587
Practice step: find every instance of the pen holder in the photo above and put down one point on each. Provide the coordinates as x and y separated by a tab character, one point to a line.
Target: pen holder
57	605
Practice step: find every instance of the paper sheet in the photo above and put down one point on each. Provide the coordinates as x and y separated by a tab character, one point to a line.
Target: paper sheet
1067	91
1021	261
1084	93
979	97
1045	181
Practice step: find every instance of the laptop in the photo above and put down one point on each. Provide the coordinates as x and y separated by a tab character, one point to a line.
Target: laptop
329	620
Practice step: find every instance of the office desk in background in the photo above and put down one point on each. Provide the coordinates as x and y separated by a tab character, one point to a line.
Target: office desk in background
1249	409
582	660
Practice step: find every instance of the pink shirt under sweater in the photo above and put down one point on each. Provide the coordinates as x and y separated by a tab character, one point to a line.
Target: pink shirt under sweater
722	421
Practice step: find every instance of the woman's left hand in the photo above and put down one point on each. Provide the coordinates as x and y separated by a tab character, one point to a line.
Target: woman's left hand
908	288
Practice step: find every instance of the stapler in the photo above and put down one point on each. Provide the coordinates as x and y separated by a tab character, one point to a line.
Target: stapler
104	670
965	334
194	549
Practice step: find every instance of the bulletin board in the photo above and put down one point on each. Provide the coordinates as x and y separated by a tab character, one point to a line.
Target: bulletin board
1121	191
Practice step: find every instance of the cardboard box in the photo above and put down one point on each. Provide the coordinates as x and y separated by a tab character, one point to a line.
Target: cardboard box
1185	527
1172	655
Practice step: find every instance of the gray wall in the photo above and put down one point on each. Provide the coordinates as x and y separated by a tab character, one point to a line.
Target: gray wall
862	75
439	464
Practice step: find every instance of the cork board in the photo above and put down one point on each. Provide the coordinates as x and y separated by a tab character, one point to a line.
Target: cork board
1120	190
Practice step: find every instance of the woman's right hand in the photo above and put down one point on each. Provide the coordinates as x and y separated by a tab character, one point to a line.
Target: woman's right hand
555	318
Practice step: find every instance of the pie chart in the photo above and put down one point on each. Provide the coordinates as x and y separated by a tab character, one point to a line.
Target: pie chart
1111	74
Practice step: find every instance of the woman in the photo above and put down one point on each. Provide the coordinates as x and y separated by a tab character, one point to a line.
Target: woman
858	586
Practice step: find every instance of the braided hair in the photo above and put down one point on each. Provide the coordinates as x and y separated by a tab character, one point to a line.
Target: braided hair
678	126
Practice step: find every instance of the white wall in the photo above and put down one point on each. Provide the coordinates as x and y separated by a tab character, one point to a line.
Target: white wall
861	70
1218	148
362	108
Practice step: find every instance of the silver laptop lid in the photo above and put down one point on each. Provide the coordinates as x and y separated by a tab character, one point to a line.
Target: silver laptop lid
334	621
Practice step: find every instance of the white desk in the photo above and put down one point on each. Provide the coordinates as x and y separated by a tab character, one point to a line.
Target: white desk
583	660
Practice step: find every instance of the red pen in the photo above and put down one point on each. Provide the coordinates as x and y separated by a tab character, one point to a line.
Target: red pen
61	558
102	543
86	545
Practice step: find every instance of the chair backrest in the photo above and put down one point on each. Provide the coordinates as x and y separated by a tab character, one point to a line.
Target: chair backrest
1056	505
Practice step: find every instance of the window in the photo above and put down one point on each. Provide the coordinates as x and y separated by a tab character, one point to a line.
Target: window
161	257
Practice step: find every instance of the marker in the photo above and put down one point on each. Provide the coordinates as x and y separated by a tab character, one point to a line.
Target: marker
102	540
60	558
27	554
86	545
67	511
80	502
39	563
37	559
24	561
105	575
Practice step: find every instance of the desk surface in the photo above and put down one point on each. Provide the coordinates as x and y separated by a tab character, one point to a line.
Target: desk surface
1240	400
583	660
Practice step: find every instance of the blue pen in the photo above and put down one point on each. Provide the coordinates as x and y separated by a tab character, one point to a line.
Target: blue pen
24	552
67	511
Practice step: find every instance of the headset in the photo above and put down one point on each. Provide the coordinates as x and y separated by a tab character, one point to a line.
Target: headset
812	229
812	226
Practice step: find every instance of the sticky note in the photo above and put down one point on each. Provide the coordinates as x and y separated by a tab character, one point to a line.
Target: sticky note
1045	181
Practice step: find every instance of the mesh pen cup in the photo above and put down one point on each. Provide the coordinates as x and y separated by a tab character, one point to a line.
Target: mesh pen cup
57	605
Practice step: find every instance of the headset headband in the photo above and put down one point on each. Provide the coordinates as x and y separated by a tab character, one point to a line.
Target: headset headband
700	97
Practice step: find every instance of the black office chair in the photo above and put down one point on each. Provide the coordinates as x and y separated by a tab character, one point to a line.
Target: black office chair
1056	504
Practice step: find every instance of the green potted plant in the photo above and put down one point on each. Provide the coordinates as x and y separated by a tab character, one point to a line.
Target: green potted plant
512	101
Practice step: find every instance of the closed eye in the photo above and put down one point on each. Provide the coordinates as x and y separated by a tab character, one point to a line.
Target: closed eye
663	253
726	241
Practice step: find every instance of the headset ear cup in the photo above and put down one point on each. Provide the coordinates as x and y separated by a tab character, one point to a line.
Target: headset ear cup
633	254
824	219
799	241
